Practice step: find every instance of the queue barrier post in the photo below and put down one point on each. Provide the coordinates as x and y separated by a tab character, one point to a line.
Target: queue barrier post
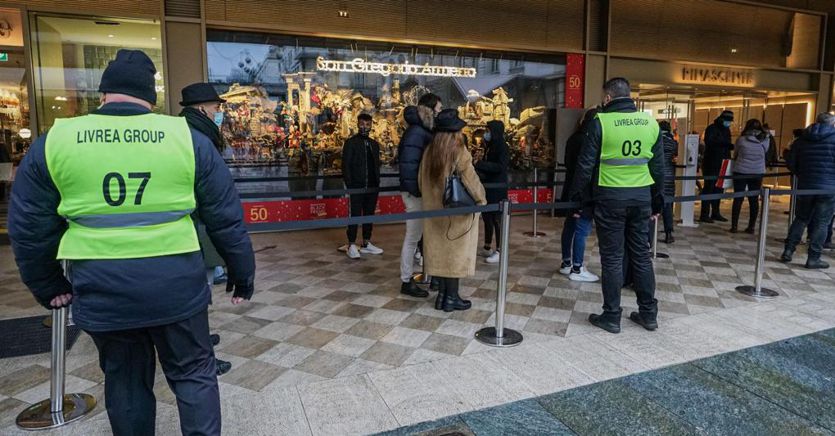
655	253
790	212
757	290
535	233
60	408
499	336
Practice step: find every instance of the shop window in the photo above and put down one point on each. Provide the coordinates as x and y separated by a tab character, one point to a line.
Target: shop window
70	54
293	101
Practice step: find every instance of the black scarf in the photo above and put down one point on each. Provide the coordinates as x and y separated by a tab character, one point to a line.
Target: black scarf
199	121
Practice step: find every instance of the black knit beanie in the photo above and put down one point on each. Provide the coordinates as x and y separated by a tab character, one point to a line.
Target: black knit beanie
131	73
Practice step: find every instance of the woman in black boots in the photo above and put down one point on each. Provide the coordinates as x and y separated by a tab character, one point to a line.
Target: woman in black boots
670	155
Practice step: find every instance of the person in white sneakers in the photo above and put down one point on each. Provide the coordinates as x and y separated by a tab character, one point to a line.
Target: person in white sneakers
493	169
361	170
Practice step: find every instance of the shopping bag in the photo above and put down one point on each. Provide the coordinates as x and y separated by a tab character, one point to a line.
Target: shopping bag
6	171
724	182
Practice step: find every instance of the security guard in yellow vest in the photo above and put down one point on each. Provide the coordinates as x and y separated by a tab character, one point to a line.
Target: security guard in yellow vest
112	193
619	173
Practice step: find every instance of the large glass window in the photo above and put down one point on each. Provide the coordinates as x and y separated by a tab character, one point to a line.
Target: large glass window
70	54
293	101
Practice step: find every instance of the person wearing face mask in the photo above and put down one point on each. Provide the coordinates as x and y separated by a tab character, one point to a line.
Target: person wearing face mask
361	170
201	109
718	147
493	169
621	168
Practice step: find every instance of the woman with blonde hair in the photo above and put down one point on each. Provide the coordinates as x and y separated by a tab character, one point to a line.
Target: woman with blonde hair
451	241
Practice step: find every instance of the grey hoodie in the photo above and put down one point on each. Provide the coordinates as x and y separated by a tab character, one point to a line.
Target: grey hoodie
750	154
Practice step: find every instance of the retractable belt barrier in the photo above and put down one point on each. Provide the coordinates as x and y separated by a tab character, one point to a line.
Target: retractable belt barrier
325	177
352	191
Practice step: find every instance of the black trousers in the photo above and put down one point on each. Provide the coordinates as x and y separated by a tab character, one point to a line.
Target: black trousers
710	208
362	205
623	231
492	225
752	183
128	359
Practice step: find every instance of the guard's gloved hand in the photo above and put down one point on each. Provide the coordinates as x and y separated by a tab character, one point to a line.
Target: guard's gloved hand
657	205
240	288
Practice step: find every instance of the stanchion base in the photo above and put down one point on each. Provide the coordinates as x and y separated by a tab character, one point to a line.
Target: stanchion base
421	278
662	256
534	234
751	291
38	416
487	336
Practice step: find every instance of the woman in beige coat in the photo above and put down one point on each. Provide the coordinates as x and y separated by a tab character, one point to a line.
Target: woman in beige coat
450	242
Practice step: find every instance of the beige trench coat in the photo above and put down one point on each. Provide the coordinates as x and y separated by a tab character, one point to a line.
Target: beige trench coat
450	243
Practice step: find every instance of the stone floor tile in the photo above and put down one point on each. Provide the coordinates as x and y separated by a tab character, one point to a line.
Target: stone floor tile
389	354
348	345
324	364
253	375
349	405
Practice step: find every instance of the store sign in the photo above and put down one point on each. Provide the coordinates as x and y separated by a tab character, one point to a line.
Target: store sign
359	65
721	76
575	72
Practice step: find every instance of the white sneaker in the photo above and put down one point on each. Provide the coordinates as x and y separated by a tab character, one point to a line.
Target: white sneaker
493	258
418	256
353	252
483	252
565	270
369	248
583	276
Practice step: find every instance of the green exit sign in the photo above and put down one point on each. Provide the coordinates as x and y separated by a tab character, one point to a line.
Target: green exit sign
4	57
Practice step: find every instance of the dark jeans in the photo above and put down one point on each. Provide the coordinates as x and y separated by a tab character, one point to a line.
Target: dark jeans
128	360
710	208
492	224
362	205
619	229
747	182
667	213
814	211
573	240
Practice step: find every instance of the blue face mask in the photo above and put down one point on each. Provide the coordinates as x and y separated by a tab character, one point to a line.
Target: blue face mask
218	119
487	136
727	123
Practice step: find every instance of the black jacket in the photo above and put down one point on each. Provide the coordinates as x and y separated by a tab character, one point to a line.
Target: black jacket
670	152
812	158
355	162
718	147
493	167
126	293
589	159
410	151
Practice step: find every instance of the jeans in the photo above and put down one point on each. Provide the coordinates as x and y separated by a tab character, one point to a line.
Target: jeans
710	208
128	359
667	213
814	211
362	205
622	229
573	240
751	183
492	225
414	231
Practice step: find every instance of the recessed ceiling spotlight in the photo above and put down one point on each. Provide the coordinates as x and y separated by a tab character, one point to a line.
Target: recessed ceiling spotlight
733	50
110	36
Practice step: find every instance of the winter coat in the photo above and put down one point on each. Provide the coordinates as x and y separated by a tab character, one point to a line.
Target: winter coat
450	243
119	294
718	147
750	153
493	167
812	158
670	153
417	136
355	162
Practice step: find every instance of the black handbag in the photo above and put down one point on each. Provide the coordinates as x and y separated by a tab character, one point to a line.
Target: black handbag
455	193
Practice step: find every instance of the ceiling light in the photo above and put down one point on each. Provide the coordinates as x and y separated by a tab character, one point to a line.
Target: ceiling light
153	38
110	36
342	13
733	50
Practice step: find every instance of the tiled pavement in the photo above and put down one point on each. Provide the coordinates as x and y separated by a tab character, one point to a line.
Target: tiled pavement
783	388
328	345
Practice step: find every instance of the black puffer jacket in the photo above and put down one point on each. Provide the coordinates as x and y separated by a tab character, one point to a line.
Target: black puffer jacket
493	167
670	153
355	172
812	158
417	136
718	147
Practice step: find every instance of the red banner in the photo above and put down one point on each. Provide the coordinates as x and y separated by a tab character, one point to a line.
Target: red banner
303	210
575	78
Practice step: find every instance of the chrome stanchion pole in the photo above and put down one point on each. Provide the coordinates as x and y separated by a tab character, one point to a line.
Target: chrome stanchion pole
792	206
757	290
655	253
535	233
60	408
499	336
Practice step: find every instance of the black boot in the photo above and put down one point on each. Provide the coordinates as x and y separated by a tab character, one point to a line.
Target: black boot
668	237
706	220
413	290
787	255
719	218
222	366
441	288
816	264
734	229
434	284
608	322
215	339
749	230
645	320
452	301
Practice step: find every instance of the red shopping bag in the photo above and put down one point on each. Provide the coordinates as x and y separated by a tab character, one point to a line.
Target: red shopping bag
723	182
